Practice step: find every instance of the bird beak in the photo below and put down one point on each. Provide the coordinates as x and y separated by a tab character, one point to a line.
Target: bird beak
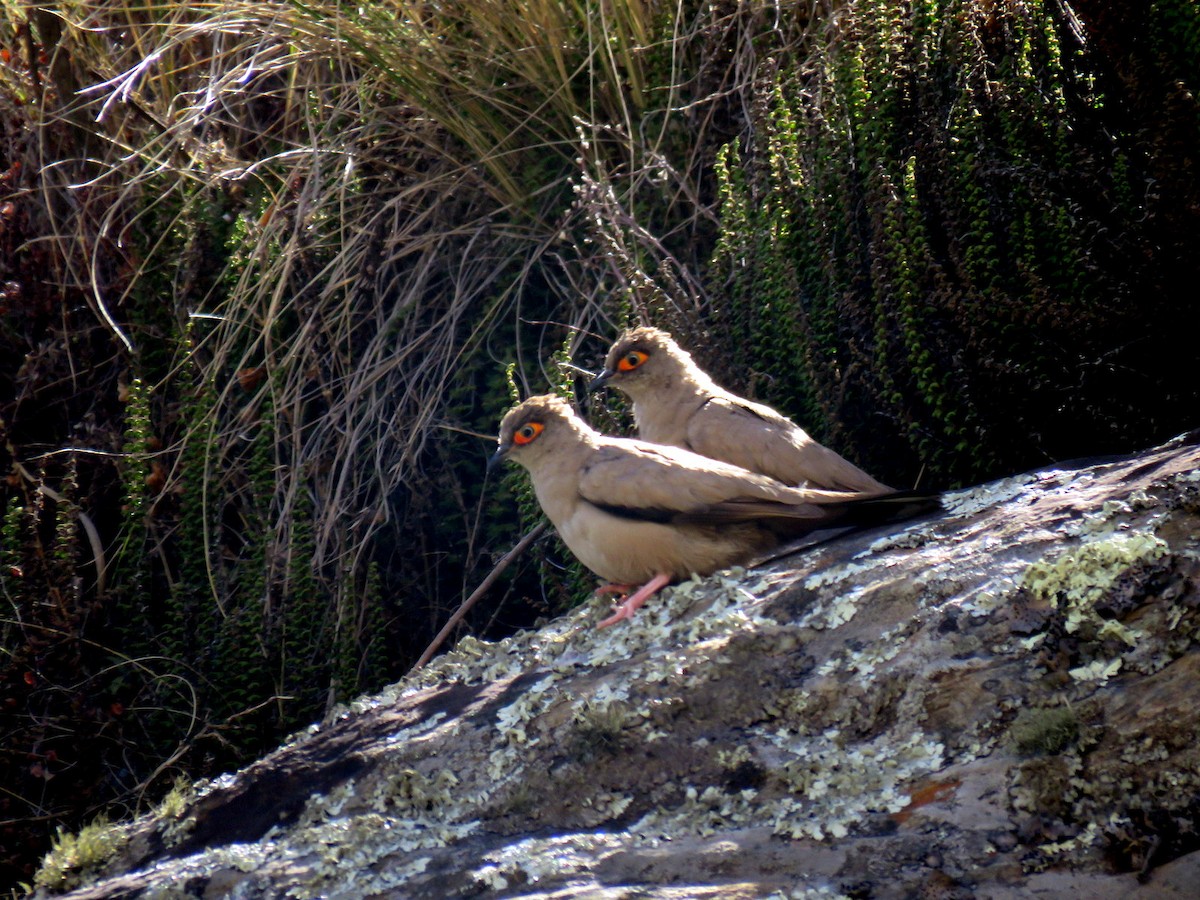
601	380
497	458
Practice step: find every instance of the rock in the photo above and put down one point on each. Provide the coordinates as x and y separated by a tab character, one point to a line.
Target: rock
994	701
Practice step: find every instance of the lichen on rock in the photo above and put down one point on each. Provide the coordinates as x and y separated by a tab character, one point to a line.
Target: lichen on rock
994	700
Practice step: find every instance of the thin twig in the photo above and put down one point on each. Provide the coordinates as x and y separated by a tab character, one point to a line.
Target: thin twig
484	586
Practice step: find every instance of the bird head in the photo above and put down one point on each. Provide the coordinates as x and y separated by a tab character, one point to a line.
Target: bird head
643	360
533	429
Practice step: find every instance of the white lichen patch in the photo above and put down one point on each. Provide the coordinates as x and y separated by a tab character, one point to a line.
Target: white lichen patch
534	860
359	841
977	499
864	662
422	731
982	602
1089	837
808	893
1114	629
703	811
572	643
833	611
1098	670
906	537
401	810
837	575
340	837
696	618
535	700
834	786
607	805
829	788
789	705
993	590
244	858
762	583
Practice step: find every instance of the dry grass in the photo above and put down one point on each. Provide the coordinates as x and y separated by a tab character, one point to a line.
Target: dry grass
416	198
413	171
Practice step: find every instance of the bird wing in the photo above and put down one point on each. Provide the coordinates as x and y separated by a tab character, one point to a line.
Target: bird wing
758	438
658	483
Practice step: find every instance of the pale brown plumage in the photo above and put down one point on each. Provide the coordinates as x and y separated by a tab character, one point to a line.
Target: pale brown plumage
636	512
675	402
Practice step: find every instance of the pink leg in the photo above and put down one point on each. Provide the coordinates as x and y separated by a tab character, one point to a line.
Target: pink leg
631	604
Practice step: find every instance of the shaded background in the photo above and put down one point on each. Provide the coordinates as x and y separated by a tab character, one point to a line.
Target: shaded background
268	273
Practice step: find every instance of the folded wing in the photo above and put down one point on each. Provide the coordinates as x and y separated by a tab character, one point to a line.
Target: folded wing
666	484
758	438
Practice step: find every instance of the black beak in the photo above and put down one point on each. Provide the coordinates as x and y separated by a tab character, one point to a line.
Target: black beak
601	380
497	458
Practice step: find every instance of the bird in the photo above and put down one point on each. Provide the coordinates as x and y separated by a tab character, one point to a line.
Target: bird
676	402
637	513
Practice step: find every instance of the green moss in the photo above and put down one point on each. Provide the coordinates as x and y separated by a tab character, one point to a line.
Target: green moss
1044	730
598	730
176	800
171	812
76	857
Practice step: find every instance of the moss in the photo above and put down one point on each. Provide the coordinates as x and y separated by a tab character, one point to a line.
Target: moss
598	730
76	857
1044	731
171	812
176	800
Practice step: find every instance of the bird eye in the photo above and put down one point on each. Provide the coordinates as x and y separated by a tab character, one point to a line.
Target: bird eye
632	360
527	432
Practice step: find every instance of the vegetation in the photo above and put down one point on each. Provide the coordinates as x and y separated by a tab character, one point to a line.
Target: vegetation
74	856
262	268
1044	731
942	228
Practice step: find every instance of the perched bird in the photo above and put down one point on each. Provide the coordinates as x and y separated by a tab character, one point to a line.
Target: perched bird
640	513
675	402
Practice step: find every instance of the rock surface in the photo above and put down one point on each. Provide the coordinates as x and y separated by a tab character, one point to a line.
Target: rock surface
996	701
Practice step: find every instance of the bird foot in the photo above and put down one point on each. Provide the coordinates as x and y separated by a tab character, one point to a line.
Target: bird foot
632	603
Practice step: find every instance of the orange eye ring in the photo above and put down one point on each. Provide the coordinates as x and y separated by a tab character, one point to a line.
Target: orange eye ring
632	360
527	433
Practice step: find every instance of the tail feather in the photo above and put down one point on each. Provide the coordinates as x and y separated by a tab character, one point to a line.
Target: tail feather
858	515
891	507
799	518
862	513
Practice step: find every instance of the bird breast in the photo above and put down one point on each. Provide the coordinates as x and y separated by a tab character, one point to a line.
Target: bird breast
632	551
664	423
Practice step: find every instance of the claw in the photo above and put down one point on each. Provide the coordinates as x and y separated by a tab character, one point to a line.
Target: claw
631	604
